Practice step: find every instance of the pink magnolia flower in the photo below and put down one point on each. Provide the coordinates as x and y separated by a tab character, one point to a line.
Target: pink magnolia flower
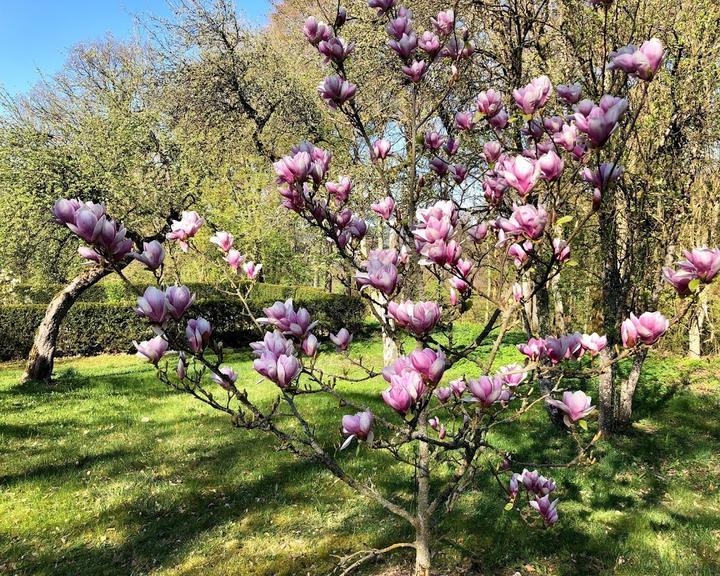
342	339
642	62
499	120
404	46
486	389
429	364
601	121
251	269
234	259
534	349
575	405
492	151
284	317
594	343
384	208
551	166
178	300
419	318
522	174
489	103
335	49
561	250
153	349
443	394
223	240
444	22
226	378
336	91
517	291
381	272
464	121
152	255
569	92
647	328
415	71
185	228
198	333
381	149
680	280
526	220
512	375
64	210
703	262
315	31
274	344
399	366
153	305
546	509
458	386
534	96
357	426
310	345
340	190
430	43
382	6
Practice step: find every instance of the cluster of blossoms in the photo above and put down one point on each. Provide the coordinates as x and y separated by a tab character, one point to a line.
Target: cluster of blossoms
567	347
235	260
301	175
107	238
538	488
700	265
186	228
412	378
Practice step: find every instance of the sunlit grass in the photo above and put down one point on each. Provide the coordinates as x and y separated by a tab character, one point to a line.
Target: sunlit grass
109	472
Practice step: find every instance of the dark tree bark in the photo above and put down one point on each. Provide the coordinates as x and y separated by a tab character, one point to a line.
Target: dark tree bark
42	356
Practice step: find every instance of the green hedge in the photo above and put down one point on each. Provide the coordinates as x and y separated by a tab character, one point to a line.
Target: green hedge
97	327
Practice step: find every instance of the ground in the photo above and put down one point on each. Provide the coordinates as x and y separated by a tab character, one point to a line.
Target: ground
108	472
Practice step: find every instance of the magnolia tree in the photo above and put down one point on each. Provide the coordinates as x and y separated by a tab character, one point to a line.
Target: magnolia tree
516	208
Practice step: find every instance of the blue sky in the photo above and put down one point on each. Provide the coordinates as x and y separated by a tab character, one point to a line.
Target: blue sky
37	34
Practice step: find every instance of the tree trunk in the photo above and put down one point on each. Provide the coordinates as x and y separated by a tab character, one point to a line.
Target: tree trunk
606	396
422	529
558	307
697	320
627	390
42	356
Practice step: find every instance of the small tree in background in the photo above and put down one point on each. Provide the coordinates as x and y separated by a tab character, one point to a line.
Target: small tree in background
515	211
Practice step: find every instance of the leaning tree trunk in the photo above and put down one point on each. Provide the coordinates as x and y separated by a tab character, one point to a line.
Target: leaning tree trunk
41	359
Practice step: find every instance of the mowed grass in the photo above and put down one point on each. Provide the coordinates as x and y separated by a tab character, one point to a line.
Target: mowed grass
109	472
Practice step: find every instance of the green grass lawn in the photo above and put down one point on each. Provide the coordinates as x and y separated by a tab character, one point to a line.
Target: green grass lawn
108	472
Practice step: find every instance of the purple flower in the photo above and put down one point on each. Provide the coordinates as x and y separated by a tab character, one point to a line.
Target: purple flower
198	333
561	250
341	190
443	394
357	426
526	220
489	103
642	62
335	49
381	272
153	305
458	386
575	405
226	378
251	269
430	44
680	280
492	151
429	364
703	262
88	222
284	316
464	120
419	318
315	31
234	259
185	228
601	121
433	140
342	339
336	91
499	120
310	345
534	349
152	255
512	375
178	300
547	509
415	70
153	349
223	240
486	389
64	210
382	6
274	344
534	96
444	22
551	166
405	46
398	397
571	93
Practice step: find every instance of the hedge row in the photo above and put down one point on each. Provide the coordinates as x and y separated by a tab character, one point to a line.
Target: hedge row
96	327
